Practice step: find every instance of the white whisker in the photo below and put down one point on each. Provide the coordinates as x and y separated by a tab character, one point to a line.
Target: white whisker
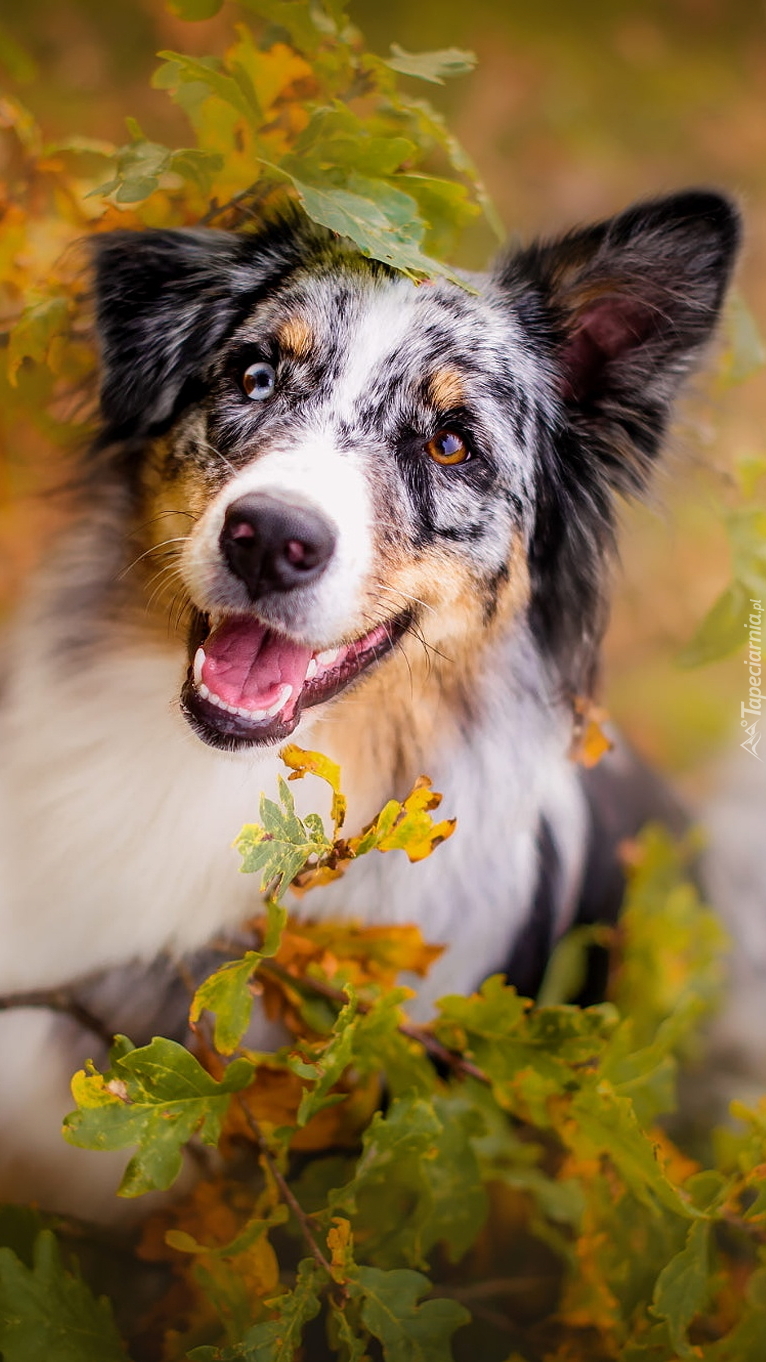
415	599
179	539
205	444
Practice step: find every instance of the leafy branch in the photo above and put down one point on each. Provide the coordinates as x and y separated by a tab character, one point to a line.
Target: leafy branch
285	1190
451	1059
327	126
555	1105
284	850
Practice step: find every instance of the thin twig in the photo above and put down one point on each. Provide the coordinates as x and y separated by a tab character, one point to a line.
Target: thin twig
237	201
495	1286
458	1063
285	1191
217	210
59	1001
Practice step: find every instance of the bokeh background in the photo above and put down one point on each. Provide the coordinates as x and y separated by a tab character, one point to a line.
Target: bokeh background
574	110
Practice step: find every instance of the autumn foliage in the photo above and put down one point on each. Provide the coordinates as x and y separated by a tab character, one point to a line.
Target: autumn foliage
500	1183
500	1177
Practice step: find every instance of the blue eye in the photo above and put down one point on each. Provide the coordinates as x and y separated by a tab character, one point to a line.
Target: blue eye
259	381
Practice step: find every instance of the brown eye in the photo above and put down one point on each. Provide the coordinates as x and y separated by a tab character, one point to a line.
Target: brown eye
447	447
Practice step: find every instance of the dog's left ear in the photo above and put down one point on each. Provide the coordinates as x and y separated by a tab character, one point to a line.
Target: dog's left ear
165	300
624	308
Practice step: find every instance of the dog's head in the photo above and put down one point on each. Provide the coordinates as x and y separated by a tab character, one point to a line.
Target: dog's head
345	458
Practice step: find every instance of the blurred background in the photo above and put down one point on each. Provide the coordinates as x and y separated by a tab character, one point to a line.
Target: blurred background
573	110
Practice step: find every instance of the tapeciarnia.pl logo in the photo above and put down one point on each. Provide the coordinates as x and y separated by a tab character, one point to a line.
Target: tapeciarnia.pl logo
751	709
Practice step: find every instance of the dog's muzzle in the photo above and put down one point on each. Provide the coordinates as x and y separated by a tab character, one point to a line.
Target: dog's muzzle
248	682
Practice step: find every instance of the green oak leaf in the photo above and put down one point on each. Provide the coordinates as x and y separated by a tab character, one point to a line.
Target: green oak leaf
407	1331
138	168
281	844
306	22
329	1066
235	89
155	1097
227	992
347	1335
278	1339
39	324
431	66
197	166
47	1313
606	1123
683	1286
381	220
390	1195
493	1013
458	1201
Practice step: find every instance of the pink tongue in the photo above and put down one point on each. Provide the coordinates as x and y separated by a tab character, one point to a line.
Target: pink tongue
246	664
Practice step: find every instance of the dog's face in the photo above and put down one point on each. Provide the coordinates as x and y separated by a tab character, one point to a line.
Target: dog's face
343	464
359	468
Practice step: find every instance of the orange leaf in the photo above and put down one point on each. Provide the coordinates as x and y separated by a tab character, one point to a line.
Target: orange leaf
302	763
589	742
340	1244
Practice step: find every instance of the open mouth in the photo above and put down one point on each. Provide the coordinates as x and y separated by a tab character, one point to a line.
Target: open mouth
248	685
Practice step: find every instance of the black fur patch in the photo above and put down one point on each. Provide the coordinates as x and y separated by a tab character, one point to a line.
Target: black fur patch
622	310
530	955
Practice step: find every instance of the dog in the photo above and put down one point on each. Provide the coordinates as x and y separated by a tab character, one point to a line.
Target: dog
377	517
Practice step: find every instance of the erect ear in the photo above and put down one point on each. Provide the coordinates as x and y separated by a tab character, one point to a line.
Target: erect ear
627	305
164	301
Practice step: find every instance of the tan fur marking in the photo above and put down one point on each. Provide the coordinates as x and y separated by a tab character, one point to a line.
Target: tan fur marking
383	738
514	596
152	587
296	336
446	389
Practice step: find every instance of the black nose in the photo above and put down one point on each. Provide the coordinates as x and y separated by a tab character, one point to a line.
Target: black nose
272	545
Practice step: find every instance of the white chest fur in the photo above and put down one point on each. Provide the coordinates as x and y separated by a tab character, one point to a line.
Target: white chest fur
116	825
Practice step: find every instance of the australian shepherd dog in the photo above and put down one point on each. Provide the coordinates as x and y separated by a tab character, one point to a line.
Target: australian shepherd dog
327	503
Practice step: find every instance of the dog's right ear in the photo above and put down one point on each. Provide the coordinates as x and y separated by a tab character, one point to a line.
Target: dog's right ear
164	301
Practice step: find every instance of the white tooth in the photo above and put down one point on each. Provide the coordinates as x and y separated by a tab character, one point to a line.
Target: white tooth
284	695
327	658
233	709
204	691
213	698
312	669
244	713
199	662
